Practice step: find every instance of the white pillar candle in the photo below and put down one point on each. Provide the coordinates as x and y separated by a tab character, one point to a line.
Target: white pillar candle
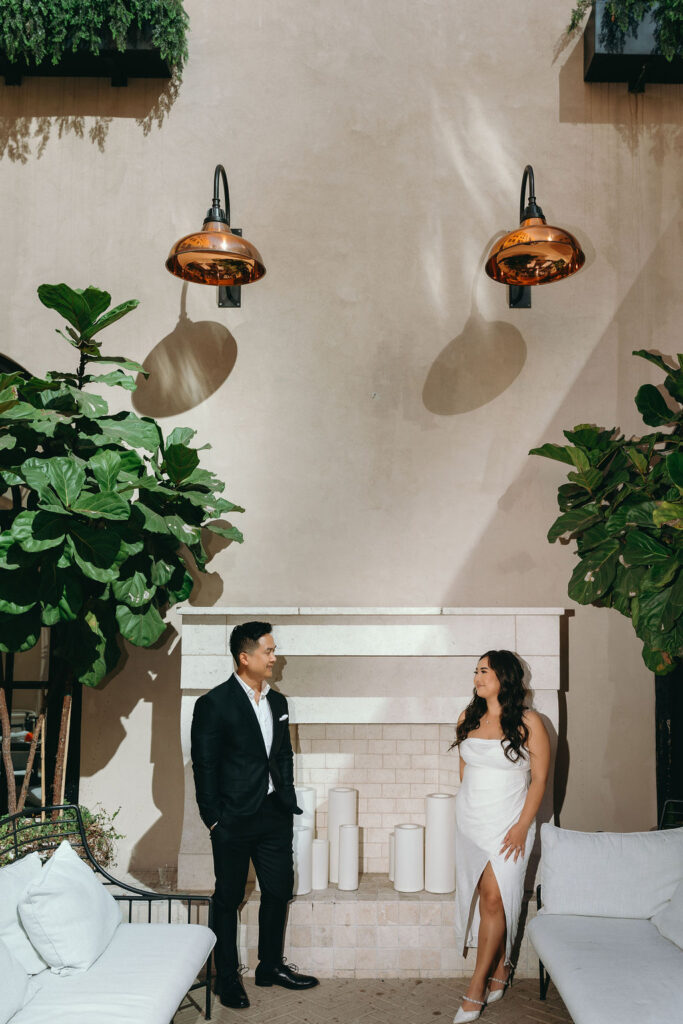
305	798
321	859
341	810
392	854
348	857
303	859
440	842
409	858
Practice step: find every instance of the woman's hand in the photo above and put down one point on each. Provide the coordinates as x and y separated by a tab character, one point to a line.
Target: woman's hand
515	841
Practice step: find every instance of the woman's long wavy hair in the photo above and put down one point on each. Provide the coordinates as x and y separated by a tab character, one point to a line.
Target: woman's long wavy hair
510	675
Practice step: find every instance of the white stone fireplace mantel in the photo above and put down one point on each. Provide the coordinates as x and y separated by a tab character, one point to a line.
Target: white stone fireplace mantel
359	680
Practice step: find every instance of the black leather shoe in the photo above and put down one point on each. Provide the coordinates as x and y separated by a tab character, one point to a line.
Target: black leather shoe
283	974
231	992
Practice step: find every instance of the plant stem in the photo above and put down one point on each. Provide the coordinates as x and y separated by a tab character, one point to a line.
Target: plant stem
81	370
60	759
31	757
7	753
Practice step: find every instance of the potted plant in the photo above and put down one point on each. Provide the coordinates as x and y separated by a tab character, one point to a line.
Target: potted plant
634	41
623	505
101	517
93	38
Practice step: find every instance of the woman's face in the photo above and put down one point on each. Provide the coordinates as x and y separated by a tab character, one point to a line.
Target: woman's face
485	680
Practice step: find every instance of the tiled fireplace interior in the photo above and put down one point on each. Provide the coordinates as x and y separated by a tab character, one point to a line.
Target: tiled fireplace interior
393	767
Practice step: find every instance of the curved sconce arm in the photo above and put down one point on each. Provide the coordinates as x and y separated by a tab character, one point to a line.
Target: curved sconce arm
530	208
216	212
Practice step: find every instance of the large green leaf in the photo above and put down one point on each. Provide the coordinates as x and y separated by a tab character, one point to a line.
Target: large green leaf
87	403
97	300
127	364
594	573
674	604
133	430
657	661
229	532
627	584
590	479
642	549
574	521
95	551
631	515
67	476
180	435
180	587
111	317
152	521
559	452
101	505
180	461
105	466
117	378
674	467
68	302
185	533
162	571
652	357
668	513
652	406
38	530
141	628
135	591
61	594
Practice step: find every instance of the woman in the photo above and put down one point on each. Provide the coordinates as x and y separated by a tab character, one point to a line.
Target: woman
504	757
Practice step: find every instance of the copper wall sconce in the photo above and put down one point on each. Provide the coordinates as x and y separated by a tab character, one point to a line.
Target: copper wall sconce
535	253
217	255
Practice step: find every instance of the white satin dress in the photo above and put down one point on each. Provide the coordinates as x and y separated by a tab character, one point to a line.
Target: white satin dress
490	800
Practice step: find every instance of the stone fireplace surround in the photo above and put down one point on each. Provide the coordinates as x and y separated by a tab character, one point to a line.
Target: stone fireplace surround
373	694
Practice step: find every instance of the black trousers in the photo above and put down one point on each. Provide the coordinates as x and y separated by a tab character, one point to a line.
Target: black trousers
266	839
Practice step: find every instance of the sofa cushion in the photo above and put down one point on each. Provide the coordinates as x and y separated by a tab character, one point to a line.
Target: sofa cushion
609	874
141	978
610	970
14	879
669	920
68	914
13	984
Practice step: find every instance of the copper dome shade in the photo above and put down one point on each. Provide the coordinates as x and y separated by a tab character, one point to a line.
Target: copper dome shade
535	252
216	255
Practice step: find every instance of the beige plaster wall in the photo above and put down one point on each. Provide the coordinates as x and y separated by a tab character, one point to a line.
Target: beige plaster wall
373	402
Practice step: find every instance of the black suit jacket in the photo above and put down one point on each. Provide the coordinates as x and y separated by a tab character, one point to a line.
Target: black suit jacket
229	758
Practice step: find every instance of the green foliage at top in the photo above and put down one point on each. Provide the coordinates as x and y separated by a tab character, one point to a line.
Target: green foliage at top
623	505
45	29
622	17
102	515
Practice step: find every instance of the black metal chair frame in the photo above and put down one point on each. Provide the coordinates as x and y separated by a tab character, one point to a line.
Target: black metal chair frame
55	827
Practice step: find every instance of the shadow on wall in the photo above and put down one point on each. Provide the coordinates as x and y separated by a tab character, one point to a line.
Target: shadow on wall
186	366
32	112
654	117
150	675
477	366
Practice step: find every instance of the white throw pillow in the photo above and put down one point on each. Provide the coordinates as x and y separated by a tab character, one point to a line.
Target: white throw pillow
609	874
669	921
68	914
13	881
13	984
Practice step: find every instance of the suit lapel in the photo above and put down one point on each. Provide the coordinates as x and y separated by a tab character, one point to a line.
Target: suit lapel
247	712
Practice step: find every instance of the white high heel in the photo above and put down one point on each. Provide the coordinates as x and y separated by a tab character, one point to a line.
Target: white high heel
466	1016
498	993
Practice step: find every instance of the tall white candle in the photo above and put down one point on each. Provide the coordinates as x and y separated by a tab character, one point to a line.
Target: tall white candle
409	858
440	842
348	857
303	859
341	810
321	861
305	798
392	855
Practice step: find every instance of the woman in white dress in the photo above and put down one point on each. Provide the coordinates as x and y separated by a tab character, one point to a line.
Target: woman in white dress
504	757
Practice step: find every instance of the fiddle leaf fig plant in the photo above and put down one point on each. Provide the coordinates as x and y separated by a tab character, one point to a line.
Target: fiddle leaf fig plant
102	517
623	505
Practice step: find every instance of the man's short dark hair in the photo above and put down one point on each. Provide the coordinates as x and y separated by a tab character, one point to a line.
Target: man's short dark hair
246	637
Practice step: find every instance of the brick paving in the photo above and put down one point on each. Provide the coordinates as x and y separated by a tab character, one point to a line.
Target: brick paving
378	1001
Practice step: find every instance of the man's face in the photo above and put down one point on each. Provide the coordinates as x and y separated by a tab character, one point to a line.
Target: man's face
259	663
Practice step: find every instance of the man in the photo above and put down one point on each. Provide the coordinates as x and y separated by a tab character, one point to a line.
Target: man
244	779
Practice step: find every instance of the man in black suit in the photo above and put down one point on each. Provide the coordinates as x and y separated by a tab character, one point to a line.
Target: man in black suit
244	779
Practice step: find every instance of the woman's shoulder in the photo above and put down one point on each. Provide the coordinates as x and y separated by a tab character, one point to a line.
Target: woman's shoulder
461	718
532	720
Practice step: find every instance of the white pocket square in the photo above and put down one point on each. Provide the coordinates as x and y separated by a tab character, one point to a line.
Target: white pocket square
282	718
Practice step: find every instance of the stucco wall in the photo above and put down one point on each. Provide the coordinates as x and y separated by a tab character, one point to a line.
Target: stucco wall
373	401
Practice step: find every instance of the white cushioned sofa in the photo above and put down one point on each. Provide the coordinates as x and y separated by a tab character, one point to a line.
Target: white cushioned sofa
610	929
68	957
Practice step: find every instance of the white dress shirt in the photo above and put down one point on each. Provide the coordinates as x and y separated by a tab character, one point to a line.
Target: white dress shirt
264	716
